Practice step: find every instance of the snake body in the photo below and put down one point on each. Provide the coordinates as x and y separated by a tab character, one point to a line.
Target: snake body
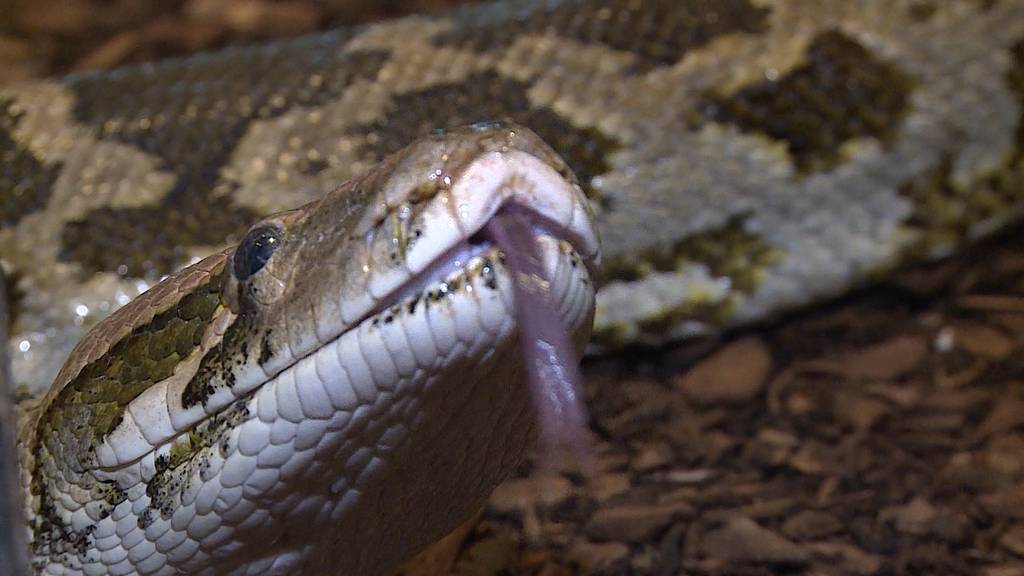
741	157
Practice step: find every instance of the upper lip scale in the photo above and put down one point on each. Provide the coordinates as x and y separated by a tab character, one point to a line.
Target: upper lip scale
436	271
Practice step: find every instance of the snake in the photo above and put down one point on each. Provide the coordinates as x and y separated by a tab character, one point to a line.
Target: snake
738	159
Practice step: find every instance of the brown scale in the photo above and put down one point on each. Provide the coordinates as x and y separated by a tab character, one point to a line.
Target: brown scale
842	92
485	97
657	32
192	114
25	183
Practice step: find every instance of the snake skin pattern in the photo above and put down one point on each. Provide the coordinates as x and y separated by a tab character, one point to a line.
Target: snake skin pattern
743	156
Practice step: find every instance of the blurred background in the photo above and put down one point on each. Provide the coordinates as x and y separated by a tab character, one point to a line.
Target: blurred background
45	37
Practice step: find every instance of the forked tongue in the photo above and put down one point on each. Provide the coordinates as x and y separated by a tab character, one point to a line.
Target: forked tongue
552	364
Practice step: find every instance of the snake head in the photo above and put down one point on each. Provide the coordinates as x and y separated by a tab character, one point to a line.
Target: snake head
349	361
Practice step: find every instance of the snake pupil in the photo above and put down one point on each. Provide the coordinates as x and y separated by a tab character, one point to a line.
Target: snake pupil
255	250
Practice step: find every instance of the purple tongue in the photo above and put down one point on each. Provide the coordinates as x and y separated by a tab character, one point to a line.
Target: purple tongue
551	359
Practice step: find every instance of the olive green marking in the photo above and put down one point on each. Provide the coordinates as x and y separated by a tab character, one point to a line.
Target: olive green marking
25	181
188	455
656	32
485	97
728	251
842	92
92	404
945	212
699	307
191	114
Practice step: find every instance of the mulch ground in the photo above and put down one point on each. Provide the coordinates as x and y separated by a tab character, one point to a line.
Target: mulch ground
879	435
882	434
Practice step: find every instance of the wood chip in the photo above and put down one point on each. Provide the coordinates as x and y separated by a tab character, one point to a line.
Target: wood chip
811	525
635	523
983	340
742	541
1013	540
849	559
885	361
735	374
601	557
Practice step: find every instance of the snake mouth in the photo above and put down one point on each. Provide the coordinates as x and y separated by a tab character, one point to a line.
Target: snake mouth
474	256
455	229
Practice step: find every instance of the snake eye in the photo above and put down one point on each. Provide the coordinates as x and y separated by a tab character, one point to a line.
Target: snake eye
255	250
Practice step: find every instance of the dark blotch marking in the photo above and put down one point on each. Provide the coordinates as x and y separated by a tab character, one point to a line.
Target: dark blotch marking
217	366
14	296
189	455
266	348
53	537
481	97
922	11
842	92
25	181
192	114
488	275
657	32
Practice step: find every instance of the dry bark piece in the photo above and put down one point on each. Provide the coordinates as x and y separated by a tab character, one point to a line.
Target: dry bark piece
493	554
983	340
598	557
735	374
811	525
1010	569
885	361
1013	539
913	518
1005	455
113	52
652	456
1006	503
604	486
262	18
814	458
72	17
17	60
743	541
860	411
520	493
635	522
850	559
1007	413
771	447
